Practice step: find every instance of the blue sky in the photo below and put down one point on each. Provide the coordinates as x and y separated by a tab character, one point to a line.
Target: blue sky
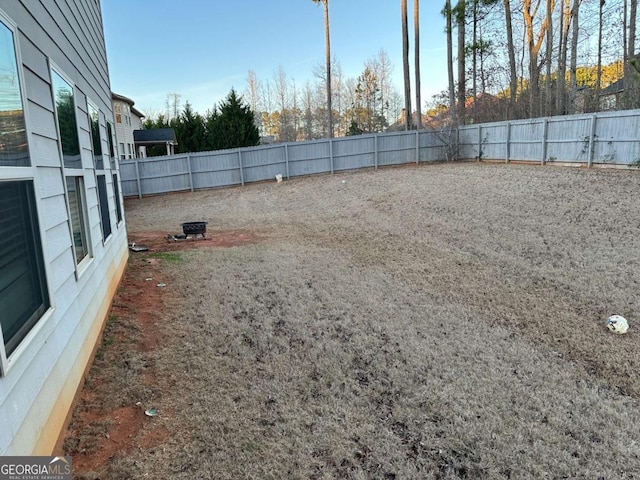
202	48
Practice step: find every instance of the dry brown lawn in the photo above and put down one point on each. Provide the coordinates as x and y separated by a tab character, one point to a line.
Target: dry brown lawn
444	321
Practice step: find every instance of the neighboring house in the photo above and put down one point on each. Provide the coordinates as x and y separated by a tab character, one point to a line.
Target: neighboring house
127	119
610	98
398	125
156	136
63	243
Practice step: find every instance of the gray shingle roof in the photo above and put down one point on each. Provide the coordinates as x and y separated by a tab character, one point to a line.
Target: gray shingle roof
155	135
615	87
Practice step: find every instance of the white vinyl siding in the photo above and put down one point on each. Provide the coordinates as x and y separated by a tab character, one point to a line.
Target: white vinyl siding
41	376
24	295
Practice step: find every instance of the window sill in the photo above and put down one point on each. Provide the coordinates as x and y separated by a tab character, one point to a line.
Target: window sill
22	349
83	266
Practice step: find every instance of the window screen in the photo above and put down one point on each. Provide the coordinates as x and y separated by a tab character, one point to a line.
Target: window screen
104	206
96	141
112	153
75	191
116	195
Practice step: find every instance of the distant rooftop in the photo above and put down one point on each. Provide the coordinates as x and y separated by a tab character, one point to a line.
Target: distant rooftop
154	136
122	98
615	87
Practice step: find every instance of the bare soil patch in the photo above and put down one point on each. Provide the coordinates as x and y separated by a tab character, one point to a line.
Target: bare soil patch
107	422
437	322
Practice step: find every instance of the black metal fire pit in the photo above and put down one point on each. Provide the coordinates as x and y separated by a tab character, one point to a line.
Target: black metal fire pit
194	228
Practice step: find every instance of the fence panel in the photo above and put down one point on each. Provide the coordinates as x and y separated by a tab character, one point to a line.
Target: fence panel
568	139
309	158
128	178
264	163
350	153
433	145
164	174
215	169
617	139
526	140
493	139
396	148
468	140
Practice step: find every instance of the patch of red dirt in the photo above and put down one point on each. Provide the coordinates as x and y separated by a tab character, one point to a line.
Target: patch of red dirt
158	242
138	303
154	437
127	421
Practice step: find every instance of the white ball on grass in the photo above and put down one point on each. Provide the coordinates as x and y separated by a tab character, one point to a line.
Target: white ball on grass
617	324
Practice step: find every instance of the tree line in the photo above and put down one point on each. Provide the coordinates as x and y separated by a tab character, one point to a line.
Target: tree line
511	59
288	111
536	58
230	124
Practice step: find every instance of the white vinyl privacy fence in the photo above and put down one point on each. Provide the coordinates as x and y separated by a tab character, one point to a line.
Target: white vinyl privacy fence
603	138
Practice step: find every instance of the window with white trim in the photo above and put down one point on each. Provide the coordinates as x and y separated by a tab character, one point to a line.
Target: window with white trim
96	138
72	164
116	194
24	296
113	162
111	141
100	166
23	289
117	110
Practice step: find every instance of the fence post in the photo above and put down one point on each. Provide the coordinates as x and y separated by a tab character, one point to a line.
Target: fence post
479	142
545	131
417	146
508	143
286	158
138	178
240	165
592	138
190	174
331	153
375	151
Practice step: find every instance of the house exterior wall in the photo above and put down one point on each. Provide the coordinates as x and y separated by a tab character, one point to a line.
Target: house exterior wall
39	380
124	132
126	121
136	123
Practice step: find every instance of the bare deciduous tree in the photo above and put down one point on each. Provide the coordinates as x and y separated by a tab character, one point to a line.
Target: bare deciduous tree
252	93
534	42
385	69
513	76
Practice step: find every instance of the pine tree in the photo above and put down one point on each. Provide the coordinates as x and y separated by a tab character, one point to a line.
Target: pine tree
233	124
190	131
